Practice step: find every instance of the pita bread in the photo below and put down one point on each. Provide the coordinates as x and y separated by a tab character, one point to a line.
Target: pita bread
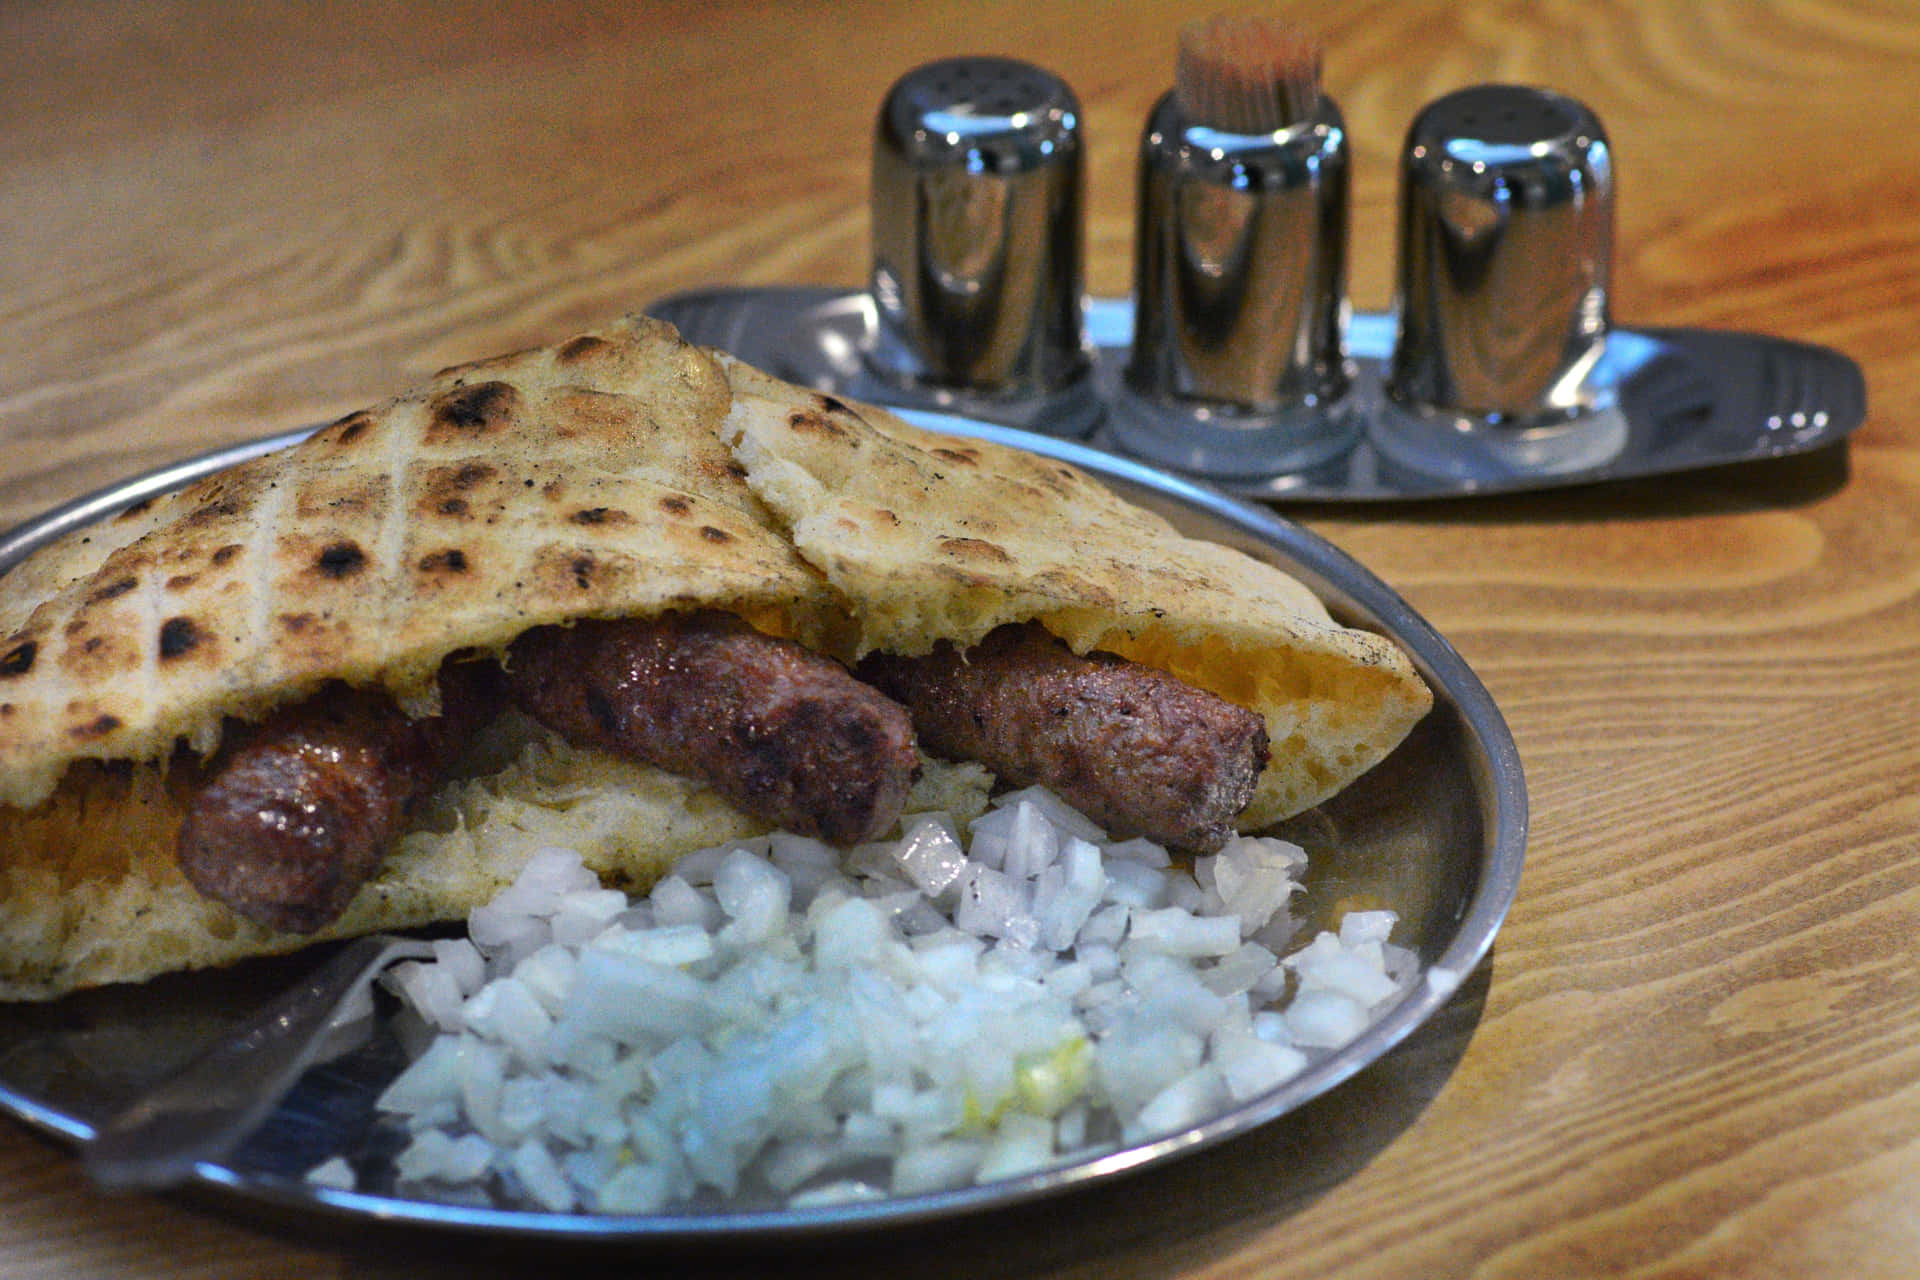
621	473
584	479
930	538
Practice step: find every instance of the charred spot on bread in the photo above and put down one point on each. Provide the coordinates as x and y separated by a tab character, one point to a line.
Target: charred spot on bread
461	479
340	560
450	561
805	422
98	727
480	409
447	489
18	660
675	505
582	347
351	427
600	516
218	508
113	590
179	636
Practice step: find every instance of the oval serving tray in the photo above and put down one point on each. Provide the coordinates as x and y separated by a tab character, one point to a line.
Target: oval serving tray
1437	831
1678	400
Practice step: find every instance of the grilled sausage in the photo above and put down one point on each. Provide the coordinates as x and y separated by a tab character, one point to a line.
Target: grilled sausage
297	812
785	734
1136	749
293	817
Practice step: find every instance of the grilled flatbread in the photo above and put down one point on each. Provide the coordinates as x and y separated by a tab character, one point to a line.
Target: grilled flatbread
622	473
930	538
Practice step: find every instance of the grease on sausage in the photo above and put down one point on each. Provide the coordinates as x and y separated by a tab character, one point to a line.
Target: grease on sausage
1136	749
786	734
297	812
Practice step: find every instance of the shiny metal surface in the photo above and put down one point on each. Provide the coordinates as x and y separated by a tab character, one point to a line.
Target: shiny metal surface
1679	400
978	173
1438	830
201	1113
1506	242
1240	278
1238	362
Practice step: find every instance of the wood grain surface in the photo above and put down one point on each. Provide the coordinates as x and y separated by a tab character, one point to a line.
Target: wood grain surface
1695	1051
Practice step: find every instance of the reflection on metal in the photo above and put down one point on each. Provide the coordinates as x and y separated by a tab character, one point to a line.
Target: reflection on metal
1238	363
977	271
1506	235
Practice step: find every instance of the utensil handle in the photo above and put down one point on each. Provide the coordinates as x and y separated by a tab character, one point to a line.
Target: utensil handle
204	1110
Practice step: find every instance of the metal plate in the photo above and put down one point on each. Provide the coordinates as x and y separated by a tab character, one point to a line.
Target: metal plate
1437	831
1674	400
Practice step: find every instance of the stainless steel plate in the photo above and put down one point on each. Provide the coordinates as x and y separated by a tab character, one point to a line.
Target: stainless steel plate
1437	831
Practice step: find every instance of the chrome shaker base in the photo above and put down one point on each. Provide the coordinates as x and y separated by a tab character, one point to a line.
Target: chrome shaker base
1662	401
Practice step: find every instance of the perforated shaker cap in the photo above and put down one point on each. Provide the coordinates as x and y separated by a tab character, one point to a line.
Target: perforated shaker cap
1506	240
978	174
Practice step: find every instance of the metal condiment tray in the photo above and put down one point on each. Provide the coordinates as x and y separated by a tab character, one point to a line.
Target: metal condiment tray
1680	399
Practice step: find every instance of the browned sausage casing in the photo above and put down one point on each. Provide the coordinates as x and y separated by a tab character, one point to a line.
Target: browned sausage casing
293	817
785	734
1136	749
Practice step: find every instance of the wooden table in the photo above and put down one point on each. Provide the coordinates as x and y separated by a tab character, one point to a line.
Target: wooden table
1695	1050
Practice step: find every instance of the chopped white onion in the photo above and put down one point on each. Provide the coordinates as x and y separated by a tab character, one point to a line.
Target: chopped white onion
782	1020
